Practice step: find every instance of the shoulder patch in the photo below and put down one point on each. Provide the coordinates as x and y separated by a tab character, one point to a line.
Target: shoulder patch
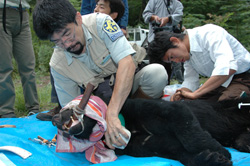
112	29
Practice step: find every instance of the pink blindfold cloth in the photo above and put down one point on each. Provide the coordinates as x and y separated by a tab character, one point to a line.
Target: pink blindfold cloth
95	151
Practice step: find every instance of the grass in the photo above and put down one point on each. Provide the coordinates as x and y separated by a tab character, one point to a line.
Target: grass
202	80
44	90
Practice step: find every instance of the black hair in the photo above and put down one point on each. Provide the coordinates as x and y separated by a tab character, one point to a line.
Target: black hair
51	16
160	45
116	6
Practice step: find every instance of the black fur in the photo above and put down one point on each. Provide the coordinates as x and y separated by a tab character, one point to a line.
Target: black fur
193	132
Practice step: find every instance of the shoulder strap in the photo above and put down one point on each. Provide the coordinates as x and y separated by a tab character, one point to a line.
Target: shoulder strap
4	17
167	5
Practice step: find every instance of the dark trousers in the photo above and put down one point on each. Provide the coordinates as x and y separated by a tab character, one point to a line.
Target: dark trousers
20	47
239	84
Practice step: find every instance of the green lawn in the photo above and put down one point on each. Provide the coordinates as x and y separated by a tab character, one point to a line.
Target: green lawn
44	90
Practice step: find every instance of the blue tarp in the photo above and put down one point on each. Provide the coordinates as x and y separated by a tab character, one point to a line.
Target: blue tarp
42	155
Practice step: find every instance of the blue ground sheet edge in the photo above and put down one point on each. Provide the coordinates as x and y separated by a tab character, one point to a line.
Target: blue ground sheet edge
42	155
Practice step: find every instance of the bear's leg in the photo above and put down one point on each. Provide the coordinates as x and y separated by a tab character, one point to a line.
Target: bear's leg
167	119
189	132
242	143
207	158
167	146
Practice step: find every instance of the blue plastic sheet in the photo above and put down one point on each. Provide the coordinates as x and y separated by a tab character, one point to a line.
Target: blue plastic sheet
42	155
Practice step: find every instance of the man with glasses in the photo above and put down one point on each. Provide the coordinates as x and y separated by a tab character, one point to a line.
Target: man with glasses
115	9
90	49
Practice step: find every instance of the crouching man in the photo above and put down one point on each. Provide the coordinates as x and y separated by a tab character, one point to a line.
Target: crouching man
209	51
90	49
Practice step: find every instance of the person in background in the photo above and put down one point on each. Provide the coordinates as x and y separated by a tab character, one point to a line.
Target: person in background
16	41
88	7
209	51
177	72
114	8
76	61
165	15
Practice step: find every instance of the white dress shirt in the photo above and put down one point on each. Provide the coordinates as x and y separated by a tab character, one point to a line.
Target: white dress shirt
213	51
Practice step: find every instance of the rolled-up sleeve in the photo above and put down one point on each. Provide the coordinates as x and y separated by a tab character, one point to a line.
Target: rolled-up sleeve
191	77
177	13
148	11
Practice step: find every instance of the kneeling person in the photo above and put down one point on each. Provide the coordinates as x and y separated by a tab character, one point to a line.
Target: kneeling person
209	51
90	49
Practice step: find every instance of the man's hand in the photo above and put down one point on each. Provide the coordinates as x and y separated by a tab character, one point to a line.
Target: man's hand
155	18
114	129
180	94
186	93
176	97
164	21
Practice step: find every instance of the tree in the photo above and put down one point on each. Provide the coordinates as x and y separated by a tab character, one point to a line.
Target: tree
239	22
136	8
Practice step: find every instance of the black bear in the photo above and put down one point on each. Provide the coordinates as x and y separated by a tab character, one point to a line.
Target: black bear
192	132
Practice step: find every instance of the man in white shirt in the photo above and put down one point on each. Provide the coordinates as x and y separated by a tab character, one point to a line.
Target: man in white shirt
209	51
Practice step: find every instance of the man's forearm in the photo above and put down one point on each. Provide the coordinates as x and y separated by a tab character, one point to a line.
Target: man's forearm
123	84
211	84
152	18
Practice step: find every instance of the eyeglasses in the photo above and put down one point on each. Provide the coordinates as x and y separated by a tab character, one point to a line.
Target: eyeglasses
61	43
